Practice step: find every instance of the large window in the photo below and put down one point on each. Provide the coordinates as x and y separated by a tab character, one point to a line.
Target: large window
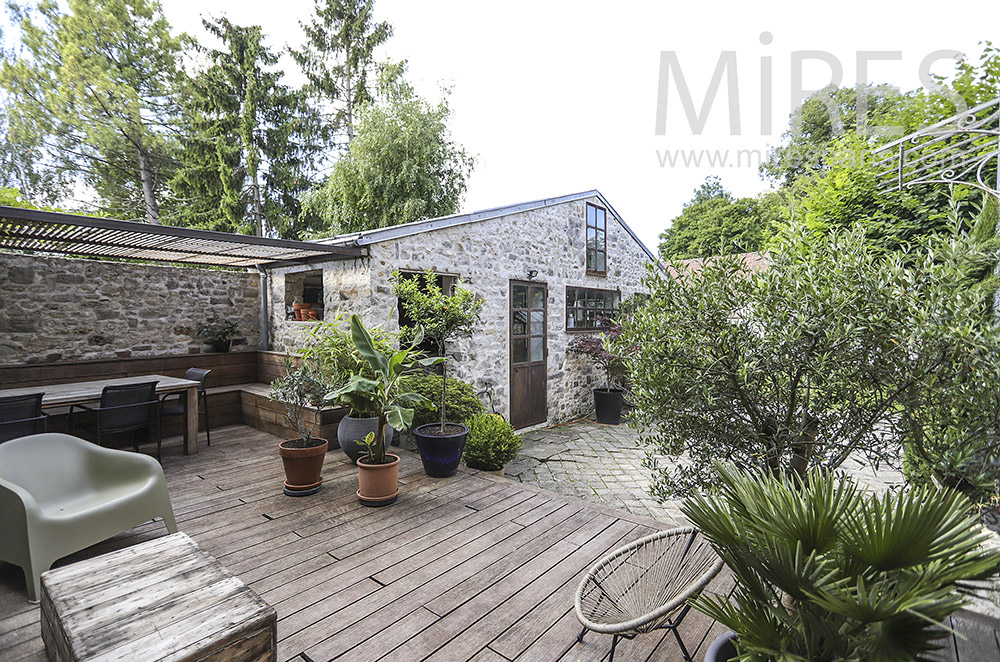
587	309
597	240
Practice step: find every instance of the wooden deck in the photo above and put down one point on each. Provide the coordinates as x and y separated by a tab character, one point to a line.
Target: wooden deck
473	567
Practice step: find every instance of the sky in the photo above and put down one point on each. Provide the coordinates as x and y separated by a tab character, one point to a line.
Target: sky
561	97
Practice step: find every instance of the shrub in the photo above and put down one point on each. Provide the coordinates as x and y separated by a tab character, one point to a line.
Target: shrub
825	571
491	443
463	403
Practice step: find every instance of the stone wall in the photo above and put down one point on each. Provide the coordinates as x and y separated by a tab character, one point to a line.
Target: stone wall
60	309
487	255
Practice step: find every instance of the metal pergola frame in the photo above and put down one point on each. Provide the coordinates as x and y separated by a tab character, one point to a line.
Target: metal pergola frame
85	236
957	150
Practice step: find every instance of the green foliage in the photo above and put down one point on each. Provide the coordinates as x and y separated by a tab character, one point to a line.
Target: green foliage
462	401
380	394
331	348
249	142
440	317
94	98
302	386
713	222
217	328
811	360
401	166
491	442
827	572
338	58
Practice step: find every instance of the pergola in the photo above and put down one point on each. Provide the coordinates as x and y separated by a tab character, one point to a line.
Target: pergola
51	233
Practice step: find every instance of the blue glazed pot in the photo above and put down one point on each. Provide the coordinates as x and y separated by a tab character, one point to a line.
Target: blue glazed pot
440	454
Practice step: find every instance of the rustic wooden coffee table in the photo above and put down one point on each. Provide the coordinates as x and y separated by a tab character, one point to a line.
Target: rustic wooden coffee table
164	599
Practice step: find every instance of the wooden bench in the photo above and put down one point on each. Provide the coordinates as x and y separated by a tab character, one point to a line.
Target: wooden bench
164	599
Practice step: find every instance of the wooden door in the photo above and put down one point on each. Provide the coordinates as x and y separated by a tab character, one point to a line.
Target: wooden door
528	353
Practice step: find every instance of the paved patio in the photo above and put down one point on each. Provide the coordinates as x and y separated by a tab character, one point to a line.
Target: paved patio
602	464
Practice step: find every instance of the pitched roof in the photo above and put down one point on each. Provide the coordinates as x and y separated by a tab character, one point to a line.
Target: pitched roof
753	262
409	229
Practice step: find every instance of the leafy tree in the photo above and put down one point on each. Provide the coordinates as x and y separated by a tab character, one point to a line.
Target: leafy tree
441	318
249	144
807	362
338	57
95	89
402	165
714	222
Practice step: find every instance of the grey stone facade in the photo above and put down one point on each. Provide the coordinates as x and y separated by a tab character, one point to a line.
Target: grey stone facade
487	255
61	309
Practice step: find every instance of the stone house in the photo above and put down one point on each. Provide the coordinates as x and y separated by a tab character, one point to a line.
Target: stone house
546	269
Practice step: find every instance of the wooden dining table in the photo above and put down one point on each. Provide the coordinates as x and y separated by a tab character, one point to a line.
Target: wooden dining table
75	393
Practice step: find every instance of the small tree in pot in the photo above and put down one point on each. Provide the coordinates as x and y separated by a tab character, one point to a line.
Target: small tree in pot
302	386
443	318
381	394
219	332
601	348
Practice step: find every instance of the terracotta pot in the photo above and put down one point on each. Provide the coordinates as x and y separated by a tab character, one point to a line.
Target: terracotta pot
298	309
378	484
310	314
303	467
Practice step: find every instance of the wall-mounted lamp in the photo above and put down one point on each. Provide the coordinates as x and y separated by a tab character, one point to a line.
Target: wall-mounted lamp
532	273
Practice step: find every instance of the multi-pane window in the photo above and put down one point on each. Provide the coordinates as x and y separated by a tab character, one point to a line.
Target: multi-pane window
588	309
597	240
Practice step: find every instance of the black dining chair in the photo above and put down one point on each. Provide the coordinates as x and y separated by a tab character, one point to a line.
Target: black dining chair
175	404
21	415
125	408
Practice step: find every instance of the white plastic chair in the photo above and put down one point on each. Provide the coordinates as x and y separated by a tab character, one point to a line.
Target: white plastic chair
60	494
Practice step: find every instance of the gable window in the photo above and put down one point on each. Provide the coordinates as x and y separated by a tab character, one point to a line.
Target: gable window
597	240
587	309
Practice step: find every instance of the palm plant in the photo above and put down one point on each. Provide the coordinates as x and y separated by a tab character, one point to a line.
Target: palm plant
380	393
825	571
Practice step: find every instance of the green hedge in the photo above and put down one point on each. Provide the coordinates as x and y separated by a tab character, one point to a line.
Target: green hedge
491	443
463	403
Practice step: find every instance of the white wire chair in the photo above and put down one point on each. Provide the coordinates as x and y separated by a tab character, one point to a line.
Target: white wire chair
645	585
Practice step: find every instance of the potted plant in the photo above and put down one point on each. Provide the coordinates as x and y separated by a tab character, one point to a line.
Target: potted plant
442	318
219	332
491	443
608	400
334	353
301	387
825	571
381	394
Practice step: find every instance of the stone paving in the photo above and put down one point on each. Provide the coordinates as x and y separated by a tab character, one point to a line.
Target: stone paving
603	464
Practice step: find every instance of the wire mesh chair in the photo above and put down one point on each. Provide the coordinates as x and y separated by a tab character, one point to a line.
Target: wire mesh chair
21	415
645	585
175	404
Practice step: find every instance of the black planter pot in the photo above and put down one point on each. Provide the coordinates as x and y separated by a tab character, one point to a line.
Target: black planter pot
608	403
222	345
440	454
351	430
723	649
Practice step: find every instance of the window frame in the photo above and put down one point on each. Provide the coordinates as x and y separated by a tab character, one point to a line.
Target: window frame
601	250
604	312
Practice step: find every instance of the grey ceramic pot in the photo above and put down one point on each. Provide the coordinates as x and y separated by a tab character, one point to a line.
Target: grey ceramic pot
352	430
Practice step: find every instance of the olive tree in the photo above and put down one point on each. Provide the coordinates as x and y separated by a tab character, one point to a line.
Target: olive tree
836	349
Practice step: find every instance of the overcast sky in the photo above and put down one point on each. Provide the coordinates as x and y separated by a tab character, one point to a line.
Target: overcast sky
560	97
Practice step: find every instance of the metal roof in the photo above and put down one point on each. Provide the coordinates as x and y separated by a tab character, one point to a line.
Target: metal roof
86	236
368	237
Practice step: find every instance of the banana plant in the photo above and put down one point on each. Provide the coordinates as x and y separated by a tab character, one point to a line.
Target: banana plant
826	571
380	394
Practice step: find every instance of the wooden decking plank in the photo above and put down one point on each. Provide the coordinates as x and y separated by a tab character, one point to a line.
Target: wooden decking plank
417	587
522	634
525	600
431	639
290	623
483	580
488	655
396	632
978	642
